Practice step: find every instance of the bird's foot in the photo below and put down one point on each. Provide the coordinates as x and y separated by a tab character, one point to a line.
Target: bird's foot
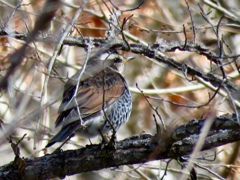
109	142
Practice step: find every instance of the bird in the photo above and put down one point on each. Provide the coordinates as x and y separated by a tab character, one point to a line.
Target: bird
96	100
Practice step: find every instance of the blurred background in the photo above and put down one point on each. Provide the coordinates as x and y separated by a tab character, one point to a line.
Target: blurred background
30	107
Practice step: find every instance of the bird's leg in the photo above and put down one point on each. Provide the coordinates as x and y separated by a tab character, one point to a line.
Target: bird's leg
104	138
90	141
107	141
113	139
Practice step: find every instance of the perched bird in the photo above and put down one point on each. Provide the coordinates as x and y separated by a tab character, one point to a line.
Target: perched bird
96	100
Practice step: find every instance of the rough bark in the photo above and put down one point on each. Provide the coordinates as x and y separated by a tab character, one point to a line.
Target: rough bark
134	150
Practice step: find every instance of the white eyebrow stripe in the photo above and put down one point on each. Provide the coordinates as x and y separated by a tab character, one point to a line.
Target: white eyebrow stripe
105	56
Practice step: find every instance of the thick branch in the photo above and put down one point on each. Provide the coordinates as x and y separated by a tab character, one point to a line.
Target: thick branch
134	150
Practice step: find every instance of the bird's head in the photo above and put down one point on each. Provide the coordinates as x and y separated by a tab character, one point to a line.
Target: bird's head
112	59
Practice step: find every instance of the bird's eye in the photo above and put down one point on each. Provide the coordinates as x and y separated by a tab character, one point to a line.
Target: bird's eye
117	60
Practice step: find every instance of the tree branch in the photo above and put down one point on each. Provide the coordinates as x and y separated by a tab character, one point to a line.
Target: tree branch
134	150
155	52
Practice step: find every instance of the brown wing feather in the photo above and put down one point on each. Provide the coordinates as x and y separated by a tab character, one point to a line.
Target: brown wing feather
104	87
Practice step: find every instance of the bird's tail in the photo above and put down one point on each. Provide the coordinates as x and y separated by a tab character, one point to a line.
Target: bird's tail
64	133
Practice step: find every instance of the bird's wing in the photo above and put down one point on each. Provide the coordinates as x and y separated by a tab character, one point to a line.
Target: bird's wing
105	87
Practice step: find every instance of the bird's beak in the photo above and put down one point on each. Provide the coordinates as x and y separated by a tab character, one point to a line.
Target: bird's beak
127	59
